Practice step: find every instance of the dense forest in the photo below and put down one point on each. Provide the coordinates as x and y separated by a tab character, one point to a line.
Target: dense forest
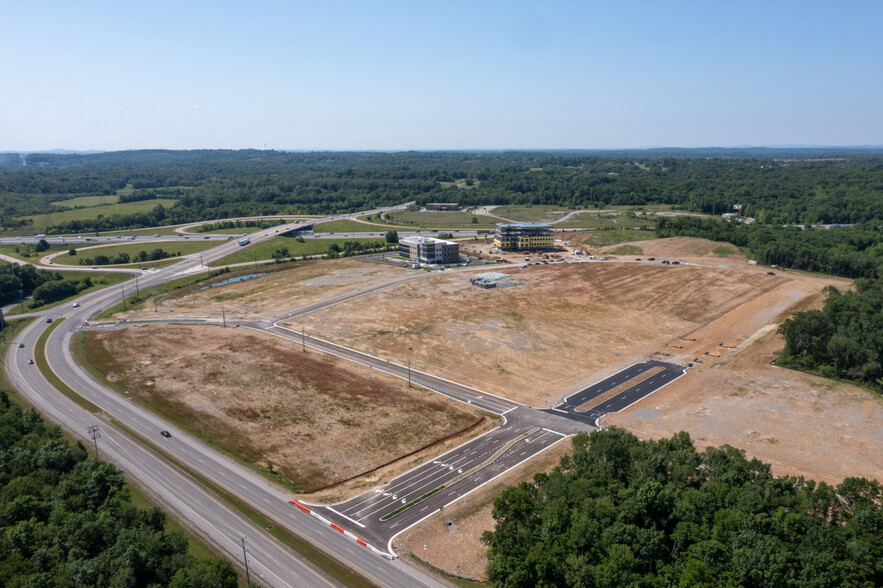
811	189
68	519
844	339
625	512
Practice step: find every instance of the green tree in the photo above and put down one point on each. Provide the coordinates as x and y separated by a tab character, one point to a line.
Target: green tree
392	237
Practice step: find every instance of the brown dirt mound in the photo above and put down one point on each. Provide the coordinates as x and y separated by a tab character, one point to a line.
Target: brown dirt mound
684	248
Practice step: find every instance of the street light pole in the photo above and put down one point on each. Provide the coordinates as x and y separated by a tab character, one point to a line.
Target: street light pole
223	317
95	433
245	559
410	351
303	340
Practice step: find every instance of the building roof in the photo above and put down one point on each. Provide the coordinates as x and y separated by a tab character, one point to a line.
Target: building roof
526	225
491	277
418	239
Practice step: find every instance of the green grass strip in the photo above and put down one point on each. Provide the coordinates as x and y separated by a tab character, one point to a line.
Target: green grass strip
54	380
410	504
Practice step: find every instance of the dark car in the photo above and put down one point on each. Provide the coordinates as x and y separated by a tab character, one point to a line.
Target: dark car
651	259
21	345
771	273
48	319
165	433
30	362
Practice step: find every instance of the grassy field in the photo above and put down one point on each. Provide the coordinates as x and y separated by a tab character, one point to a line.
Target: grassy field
87	201
530	214
440	220
56	217
597	220
348	226
184	248
603	238
265	249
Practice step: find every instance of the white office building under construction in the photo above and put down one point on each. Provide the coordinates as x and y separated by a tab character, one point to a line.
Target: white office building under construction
429	250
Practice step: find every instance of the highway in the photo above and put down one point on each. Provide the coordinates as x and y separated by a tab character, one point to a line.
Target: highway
376	516
214	520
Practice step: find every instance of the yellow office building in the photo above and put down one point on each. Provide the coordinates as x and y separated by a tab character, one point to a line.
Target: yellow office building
521	236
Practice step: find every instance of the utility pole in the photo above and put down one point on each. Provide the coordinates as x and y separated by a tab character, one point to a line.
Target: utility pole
410	351
303	340
95	433
124	296
137	291
223	317
245	559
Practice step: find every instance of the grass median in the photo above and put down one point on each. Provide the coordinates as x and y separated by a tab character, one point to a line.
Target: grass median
54	380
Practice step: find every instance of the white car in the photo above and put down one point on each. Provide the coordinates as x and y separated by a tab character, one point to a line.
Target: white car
76	305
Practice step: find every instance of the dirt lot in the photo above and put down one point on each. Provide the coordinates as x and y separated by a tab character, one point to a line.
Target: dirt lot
803	425
562	329
277	292
314	419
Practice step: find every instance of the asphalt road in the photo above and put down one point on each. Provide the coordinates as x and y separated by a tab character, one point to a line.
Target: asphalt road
668	373
448	477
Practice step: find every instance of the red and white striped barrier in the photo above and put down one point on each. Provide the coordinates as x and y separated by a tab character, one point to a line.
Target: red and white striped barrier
346	534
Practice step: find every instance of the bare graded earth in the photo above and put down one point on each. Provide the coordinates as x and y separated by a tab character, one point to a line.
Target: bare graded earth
559	331
277	292
314	419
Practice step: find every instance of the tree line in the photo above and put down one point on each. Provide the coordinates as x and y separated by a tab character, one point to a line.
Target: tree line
221	184
624	512
68	519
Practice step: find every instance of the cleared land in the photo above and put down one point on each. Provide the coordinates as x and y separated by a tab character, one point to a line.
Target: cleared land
306	416
441	219
175	249
265	249
600	220
271	294
62	216
87	201
559	331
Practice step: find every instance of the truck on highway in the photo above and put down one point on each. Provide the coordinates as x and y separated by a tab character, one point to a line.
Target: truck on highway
244	241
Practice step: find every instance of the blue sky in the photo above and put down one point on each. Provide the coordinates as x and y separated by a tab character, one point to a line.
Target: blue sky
439	75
